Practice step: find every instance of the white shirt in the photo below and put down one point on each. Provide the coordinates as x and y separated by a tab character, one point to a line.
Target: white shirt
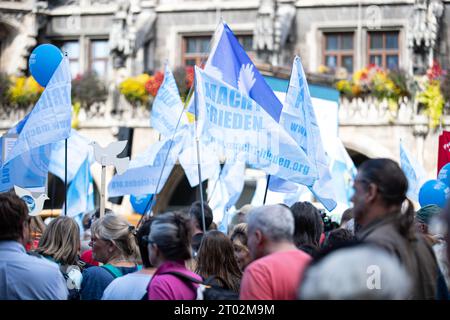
132	286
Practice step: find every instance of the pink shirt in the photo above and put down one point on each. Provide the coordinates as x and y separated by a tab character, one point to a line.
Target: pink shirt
274	277
170	287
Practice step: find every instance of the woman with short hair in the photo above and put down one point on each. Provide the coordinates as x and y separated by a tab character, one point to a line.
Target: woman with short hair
239	239
113	244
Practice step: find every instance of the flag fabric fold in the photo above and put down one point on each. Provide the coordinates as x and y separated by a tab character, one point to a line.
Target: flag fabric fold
80	194
234	123
414	172
299	120
29	170
78	150
229	62
50	119
167	106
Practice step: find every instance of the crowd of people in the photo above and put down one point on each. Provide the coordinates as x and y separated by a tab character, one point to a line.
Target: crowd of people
382	249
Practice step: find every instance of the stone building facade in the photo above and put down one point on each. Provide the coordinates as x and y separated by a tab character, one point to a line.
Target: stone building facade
120	38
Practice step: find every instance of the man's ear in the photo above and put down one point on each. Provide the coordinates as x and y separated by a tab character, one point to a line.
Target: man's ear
372	192
259	237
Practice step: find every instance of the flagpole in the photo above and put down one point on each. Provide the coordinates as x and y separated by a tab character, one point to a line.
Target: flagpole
214	188
267	187
152	203
102	191
65	165
65	177
199	167
53	194
189	95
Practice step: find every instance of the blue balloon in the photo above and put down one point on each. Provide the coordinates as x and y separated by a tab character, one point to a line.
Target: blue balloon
43	62
444	174
434	192
141	203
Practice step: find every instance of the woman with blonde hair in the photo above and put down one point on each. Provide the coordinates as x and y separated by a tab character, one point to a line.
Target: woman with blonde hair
239	239
114	244
60	243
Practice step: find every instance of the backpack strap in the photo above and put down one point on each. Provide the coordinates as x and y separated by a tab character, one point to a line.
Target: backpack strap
183	276
114	271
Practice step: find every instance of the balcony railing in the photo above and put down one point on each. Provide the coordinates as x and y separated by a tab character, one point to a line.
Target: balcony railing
354	112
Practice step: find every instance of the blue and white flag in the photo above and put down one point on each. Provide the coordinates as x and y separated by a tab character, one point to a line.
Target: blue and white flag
299	120
167	106
343	172
209	161
28	170
80	194
237	124
78	150
414	172
229	62
232	180
50	119
144	180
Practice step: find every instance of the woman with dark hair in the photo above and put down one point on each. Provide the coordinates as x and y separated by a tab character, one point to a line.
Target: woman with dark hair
216	261
308	227
133	286
169	247
386	218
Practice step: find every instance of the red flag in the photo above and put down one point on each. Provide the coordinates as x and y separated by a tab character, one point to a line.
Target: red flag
444	149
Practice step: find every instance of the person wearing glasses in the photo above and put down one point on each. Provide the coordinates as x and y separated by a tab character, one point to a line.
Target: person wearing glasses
386	218
133	286
114	245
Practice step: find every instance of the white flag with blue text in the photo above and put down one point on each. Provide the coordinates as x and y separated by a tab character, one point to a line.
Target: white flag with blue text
300	122
50	119
235	123
414	172
167	106
144	180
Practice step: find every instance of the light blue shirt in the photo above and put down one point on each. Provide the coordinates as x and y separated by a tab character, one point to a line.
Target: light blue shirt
24	277
132	286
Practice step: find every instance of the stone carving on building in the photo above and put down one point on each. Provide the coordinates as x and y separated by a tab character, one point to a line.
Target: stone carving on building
22	38
273	26
424	31
123	34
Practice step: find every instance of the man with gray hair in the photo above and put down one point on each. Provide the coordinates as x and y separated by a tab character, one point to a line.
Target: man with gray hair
277	265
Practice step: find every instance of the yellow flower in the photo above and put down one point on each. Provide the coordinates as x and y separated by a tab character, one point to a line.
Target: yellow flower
133	89
323	69
24	91
433	101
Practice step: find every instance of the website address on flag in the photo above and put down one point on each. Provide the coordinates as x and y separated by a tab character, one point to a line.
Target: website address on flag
257	154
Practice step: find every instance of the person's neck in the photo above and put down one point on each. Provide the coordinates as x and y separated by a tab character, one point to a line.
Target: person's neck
120	262
273	247
150	270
